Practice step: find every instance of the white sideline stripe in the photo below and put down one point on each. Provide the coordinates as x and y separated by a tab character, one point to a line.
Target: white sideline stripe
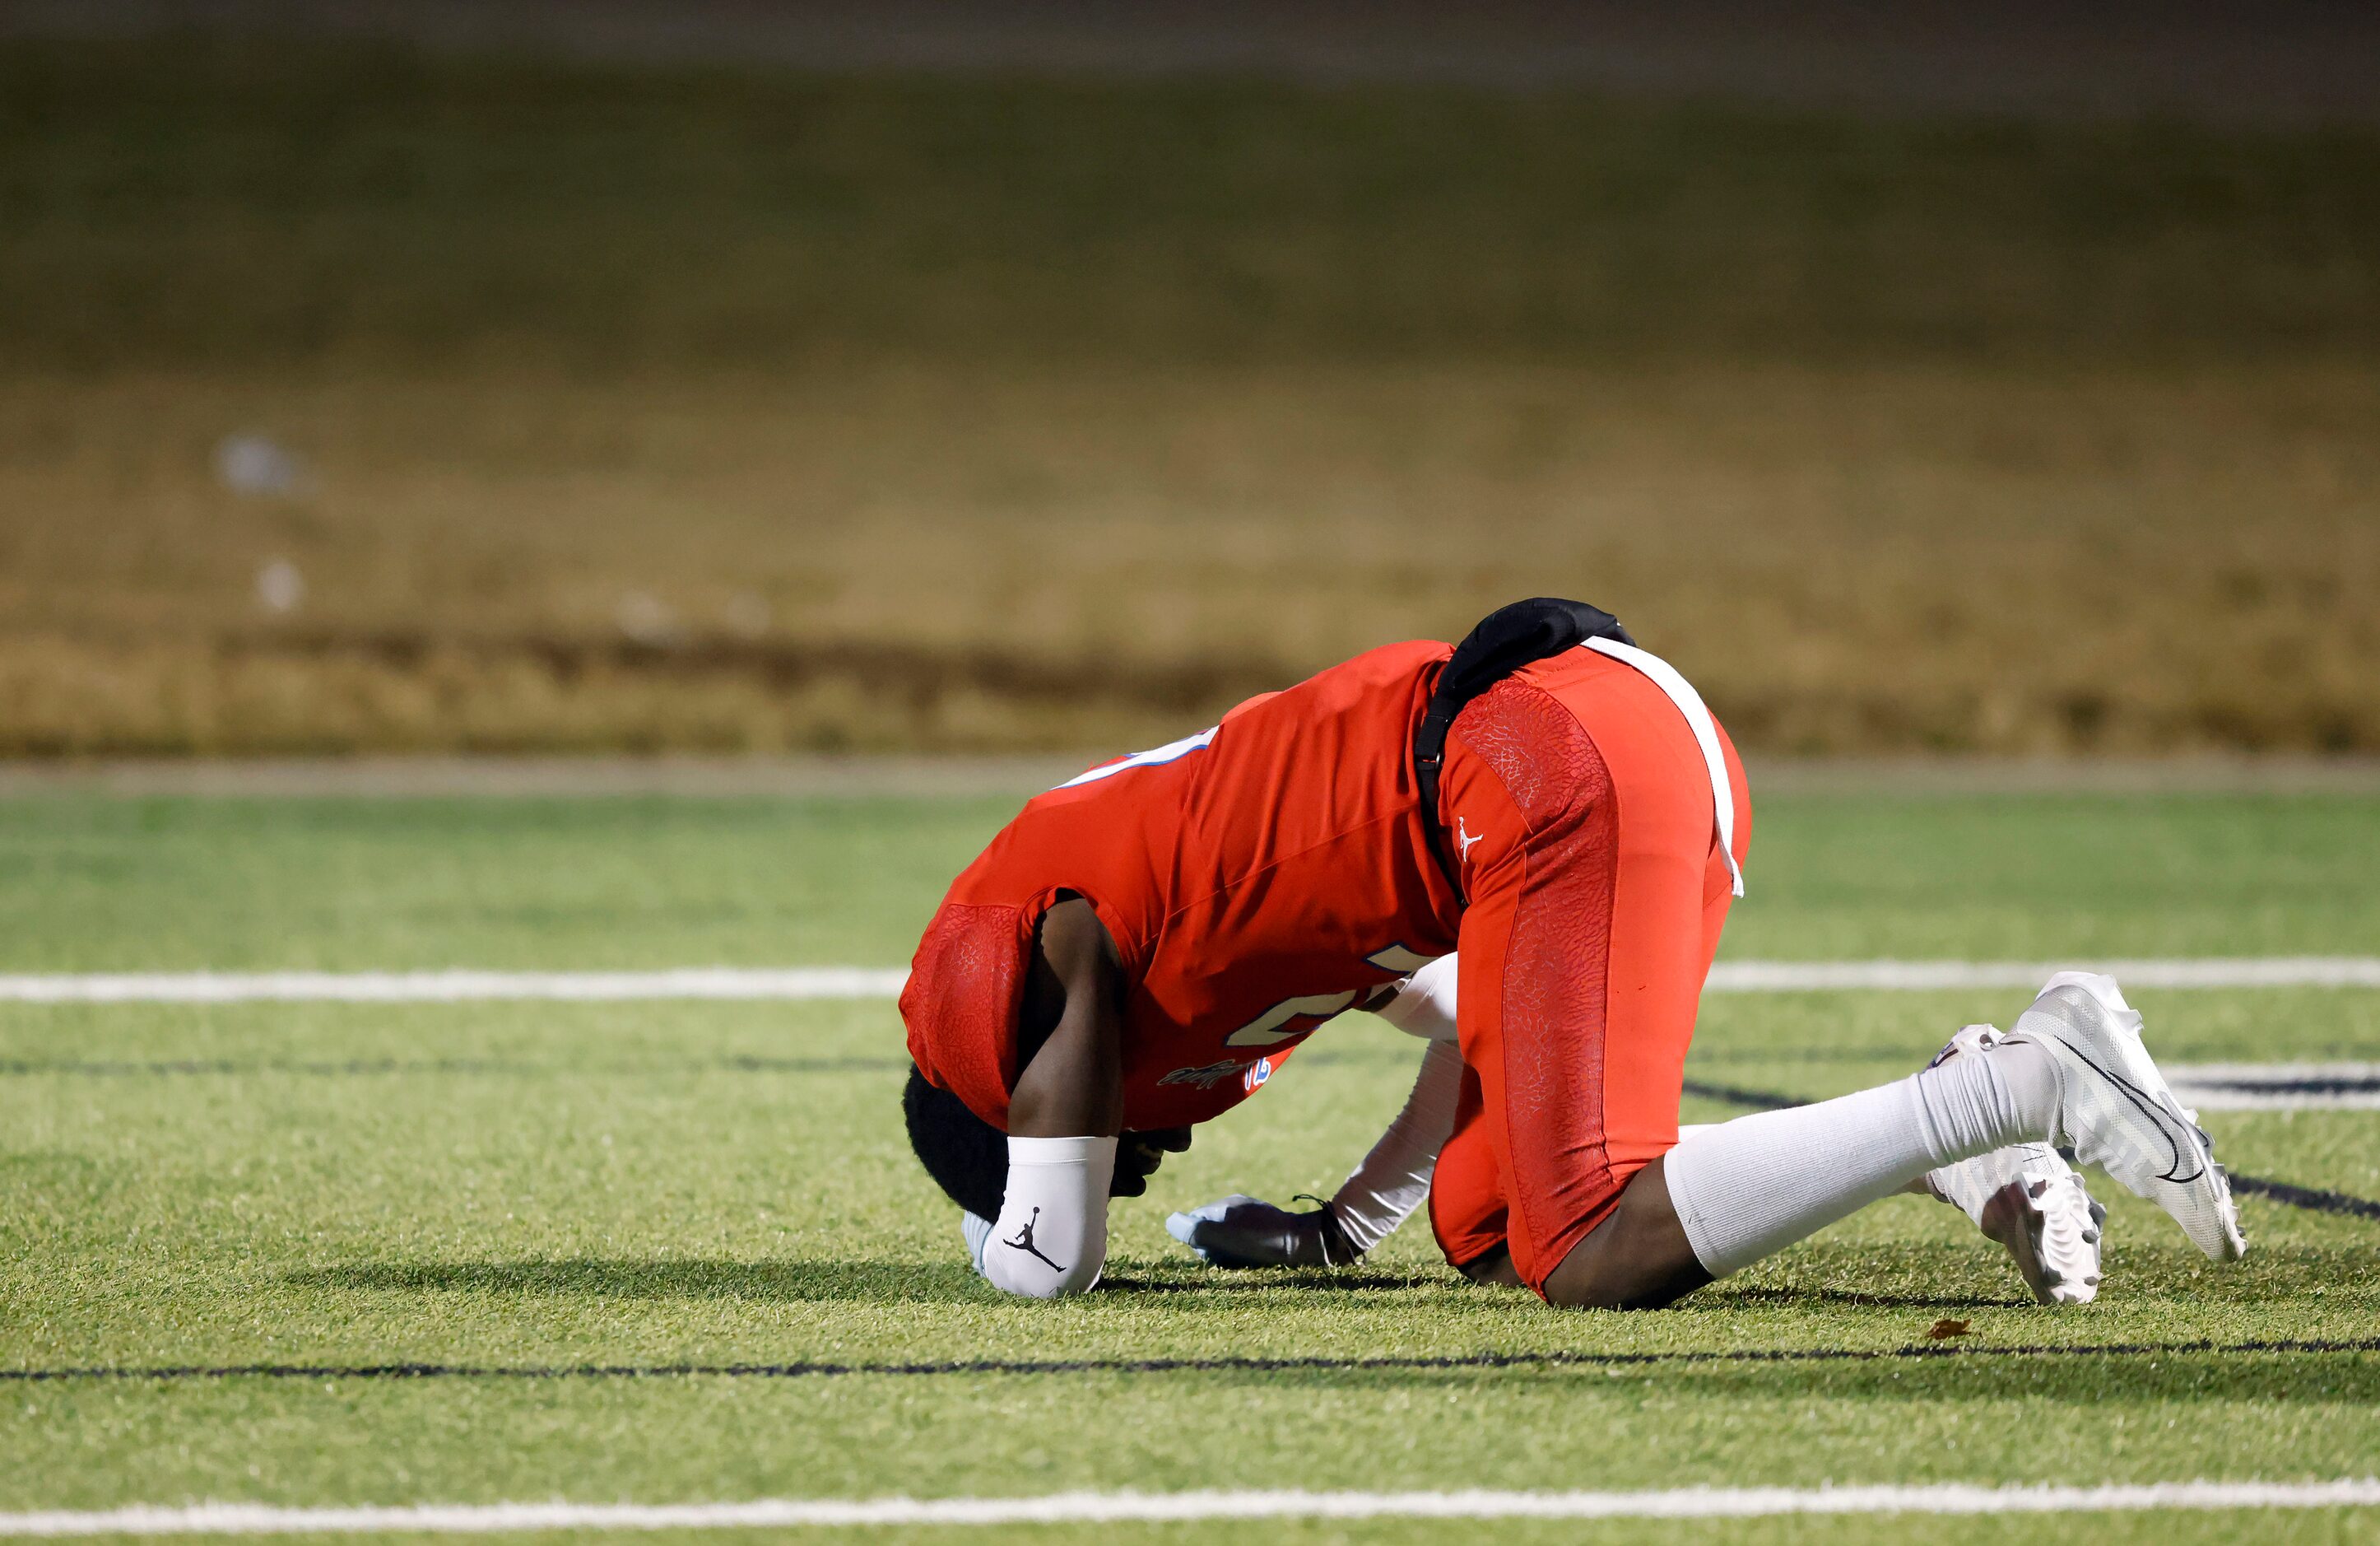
876	982
2275	1085
2240	971
1698	1502
454	987
2200	1100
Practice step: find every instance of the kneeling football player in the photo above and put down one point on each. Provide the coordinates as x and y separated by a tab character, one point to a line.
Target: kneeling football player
1555	809
2025	1195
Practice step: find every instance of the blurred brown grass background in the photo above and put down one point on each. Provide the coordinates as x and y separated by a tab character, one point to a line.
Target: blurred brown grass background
710	409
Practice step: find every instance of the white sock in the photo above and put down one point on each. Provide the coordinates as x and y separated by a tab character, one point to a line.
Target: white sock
1748	1189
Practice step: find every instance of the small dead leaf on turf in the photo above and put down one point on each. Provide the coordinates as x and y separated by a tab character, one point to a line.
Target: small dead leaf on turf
1947	1328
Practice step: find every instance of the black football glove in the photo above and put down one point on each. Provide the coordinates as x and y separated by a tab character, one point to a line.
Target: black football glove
1139	1154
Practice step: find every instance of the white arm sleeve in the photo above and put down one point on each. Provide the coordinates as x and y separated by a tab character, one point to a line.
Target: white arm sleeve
1051	1236
1424	1003
1393	1180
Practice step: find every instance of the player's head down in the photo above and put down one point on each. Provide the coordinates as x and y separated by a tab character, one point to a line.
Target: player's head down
966	1156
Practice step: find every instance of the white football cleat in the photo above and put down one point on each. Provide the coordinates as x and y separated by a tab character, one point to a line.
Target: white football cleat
2116	1111
2051	1225
2027	1198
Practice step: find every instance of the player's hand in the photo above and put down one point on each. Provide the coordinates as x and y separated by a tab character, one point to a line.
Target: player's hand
1242	1231
1139	1154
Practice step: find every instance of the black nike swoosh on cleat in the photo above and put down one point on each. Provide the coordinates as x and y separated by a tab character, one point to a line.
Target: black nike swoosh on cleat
2154	1109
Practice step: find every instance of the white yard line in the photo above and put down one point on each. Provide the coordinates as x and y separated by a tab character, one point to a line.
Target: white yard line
1698	1503
823	777
677	777
454	987
2276	1085
882	982
2243	971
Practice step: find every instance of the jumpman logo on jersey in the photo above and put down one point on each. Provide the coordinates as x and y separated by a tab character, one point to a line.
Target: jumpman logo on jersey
1463	841
1024	1242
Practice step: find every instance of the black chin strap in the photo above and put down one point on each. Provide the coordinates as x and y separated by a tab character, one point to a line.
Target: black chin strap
1505	641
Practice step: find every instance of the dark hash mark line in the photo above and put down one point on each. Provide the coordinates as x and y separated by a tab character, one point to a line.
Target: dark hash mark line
1552	1359
1896	1056
744	1063
2308	1198
2311	1198
1734	1095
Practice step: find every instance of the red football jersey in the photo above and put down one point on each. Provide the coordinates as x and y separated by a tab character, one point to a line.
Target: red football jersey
1257	878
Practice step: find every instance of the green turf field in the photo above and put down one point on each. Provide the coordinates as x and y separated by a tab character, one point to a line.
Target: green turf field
566	1202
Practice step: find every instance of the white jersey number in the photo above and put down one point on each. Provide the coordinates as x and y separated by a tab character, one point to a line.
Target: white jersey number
1266	1028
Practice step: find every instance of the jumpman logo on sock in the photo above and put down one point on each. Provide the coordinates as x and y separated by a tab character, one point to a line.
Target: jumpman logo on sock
1024	1242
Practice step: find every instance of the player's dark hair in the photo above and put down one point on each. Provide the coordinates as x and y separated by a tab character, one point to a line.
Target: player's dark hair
965	1154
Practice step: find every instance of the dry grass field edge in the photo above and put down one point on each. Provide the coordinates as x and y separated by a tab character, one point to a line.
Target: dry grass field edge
1846	560
355	400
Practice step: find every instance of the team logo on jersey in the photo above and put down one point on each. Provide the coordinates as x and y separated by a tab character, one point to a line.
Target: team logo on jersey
1259	1071
1210	1075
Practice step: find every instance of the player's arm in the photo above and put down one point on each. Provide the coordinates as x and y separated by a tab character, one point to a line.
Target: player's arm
1382	1192
1073	1082
1064	1114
